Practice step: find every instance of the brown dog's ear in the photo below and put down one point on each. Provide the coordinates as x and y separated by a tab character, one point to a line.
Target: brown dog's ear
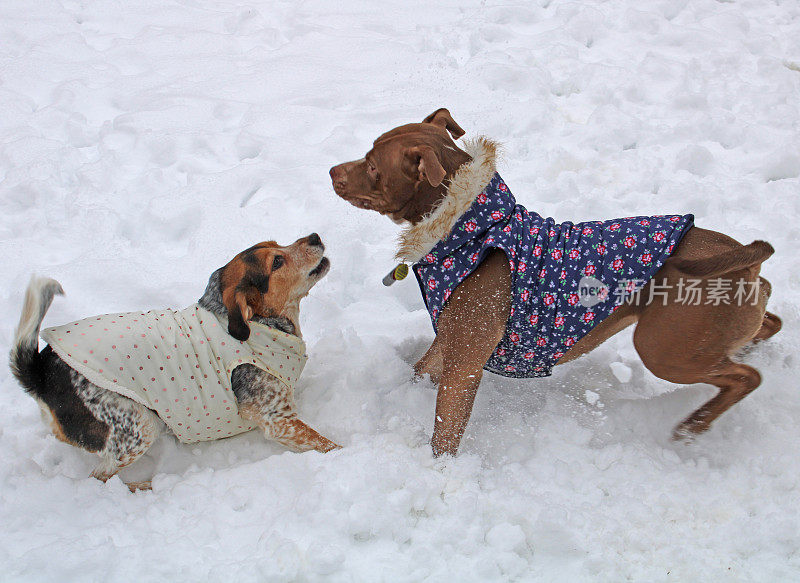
442	118
427	164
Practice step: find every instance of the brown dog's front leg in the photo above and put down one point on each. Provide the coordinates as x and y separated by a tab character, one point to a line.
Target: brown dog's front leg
469	328
431	363
453	408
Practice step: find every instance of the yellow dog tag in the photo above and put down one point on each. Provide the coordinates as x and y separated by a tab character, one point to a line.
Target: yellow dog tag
396	274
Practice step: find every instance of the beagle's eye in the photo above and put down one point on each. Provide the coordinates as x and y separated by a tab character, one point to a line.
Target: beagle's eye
277	262
371	169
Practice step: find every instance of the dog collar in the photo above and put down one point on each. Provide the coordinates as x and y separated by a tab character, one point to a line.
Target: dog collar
467	183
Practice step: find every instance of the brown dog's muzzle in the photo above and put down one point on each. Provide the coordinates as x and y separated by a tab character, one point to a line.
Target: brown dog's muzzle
339	178
350	183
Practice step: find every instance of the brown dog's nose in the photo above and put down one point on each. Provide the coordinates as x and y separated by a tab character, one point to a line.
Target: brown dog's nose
313	239
338	175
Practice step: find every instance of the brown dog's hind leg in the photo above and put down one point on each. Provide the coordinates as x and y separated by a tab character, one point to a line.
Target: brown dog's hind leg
771	324
769	327
735	382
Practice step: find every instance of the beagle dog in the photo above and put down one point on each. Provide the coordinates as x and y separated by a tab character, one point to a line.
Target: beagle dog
111	384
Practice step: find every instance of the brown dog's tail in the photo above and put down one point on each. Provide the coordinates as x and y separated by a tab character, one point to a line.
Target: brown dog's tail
726	262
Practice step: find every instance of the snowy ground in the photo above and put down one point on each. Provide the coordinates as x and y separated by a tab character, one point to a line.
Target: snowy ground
143	143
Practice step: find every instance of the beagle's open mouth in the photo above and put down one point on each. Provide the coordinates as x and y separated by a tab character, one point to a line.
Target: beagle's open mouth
320	269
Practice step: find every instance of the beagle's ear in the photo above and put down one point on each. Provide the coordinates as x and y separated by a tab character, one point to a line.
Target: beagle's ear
442	118
427	163
243	288
239	313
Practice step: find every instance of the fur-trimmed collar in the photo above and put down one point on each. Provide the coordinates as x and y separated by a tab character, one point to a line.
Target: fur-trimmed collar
469	180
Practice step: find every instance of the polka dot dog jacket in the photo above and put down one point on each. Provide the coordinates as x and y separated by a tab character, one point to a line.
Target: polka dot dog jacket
547	260
177	363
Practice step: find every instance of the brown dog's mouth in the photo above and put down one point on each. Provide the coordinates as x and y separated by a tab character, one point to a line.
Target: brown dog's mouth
362	204
357	201
320	269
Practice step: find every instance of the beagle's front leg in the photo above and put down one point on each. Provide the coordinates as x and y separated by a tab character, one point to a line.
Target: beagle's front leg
296	435
470	326
267	402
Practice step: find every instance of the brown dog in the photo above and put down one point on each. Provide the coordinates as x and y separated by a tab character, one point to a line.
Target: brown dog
407	175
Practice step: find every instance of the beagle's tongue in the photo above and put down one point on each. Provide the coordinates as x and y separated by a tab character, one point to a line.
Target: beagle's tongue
396	274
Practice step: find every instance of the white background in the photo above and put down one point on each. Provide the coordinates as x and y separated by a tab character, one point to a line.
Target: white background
142	144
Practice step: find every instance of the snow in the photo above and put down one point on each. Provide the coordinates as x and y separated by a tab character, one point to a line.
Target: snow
142	144
622	371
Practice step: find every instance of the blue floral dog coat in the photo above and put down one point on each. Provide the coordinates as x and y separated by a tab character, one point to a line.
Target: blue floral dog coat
549	262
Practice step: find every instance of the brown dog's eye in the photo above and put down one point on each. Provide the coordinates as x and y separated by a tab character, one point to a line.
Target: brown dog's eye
277	262
372	170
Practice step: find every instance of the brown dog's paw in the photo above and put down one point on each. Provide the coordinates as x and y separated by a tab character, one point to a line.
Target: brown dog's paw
770	326
682	435
425	379
687	432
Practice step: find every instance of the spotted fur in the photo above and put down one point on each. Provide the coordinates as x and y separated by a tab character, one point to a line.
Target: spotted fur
121	430
264	400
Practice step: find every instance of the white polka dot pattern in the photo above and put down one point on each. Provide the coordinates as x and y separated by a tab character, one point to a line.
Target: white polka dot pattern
177	363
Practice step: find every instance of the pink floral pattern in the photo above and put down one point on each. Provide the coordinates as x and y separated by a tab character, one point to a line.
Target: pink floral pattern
547	262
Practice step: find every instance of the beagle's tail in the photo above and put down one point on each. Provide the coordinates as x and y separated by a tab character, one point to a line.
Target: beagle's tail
727	261
25	350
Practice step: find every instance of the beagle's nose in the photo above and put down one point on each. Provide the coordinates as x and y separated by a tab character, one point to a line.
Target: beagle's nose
313	239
